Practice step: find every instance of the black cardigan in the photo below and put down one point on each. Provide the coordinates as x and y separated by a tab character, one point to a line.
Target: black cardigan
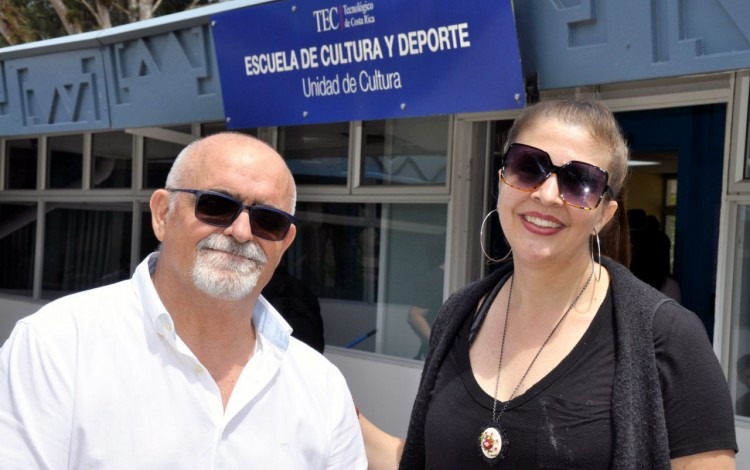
640	433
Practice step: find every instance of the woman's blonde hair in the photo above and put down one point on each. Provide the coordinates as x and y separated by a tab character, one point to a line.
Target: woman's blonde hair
589	114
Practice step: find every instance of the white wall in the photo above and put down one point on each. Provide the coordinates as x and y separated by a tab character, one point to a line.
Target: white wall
742	426
383	387
347	320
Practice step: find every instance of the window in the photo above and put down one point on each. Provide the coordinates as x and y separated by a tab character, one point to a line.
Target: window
217	127
369	257
85	246
405	151
739	162
158	156
17	241
21	163
86	238
65	162
317	154
364	261
670	214
112	158
741	313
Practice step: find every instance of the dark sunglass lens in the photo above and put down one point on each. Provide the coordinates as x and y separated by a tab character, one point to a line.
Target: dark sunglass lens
216	210
525	168
269	224
582	184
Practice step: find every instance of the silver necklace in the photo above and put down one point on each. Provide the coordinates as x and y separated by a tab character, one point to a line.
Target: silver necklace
492	439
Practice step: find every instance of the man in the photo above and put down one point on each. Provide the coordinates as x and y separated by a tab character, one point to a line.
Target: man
184	366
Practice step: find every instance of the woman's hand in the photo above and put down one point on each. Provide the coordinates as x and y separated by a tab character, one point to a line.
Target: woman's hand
383	450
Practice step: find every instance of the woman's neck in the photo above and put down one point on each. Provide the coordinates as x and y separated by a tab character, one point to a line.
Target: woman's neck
549	289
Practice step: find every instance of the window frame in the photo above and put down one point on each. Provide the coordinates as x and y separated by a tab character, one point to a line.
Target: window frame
354	191
739	148
138	196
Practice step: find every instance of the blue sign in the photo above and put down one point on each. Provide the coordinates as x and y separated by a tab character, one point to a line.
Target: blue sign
315	61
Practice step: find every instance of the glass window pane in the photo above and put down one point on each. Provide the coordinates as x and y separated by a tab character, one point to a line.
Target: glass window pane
671	192
343	252
405	151
741	308
112	157
17	242
211	128
85	246
413	251
21	162
159	156
316	154
335	254
65	162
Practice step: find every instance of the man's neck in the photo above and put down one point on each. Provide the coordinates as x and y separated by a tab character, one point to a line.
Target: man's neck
220	333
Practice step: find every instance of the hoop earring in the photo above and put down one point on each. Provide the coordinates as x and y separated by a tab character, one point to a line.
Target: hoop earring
481	242
595	237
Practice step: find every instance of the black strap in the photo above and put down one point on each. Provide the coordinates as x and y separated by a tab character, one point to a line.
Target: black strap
484	307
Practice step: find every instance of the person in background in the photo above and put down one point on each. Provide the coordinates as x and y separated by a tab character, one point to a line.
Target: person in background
299	306
185	365
562	358
743	377
651	249
428	294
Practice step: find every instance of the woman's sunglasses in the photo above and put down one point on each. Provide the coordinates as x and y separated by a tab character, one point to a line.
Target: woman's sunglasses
221	210
581	185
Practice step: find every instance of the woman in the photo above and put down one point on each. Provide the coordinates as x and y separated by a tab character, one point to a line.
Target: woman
562	358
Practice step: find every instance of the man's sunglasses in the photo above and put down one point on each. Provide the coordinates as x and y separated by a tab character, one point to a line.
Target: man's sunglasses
581	185
221	210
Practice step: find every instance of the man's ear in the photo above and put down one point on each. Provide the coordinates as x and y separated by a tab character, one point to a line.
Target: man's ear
159	205
289	237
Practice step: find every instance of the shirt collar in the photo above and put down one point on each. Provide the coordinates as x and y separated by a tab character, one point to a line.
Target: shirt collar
150	301
270	324
267	320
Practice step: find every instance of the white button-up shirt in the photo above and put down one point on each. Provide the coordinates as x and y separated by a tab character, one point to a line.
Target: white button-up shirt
100	379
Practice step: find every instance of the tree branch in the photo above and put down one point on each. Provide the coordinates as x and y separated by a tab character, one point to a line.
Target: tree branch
88	7
7	33
145	9
155	7
62	13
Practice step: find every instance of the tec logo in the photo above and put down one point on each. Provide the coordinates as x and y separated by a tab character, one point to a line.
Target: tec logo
327	19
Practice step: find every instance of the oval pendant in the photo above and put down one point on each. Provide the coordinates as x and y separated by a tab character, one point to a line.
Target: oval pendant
492	443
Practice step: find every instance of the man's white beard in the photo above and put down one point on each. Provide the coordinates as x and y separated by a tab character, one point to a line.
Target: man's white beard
226	277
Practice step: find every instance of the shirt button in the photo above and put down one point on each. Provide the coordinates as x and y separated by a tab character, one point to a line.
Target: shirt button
164	326
199	369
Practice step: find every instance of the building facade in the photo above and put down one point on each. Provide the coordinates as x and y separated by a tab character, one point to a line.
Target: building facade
89	125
